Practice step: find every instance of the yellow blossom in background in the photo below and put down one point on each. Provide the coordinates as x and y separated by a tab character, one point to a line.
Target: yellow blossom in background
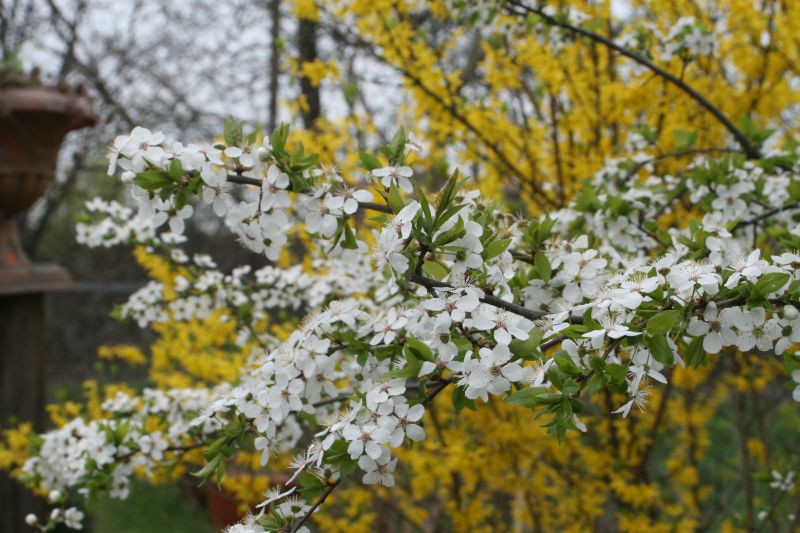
127	353
531	119
317	71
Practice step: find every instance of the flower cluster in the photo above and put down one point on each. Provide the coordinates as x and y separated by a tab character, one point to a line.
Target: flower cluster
688	39
452	292
142	432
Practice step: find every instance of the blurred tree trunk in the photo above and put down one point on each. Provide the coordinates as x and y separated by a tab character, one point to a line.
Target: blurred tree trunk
274	63
307	48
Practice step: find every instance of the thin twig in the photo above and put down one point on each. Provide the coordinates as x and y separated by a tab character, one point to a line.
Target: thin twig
246	180
765	215
296	527
530	314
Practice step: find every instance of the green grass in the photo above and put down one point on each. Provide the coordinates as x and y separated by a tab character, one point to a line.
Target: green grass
150	509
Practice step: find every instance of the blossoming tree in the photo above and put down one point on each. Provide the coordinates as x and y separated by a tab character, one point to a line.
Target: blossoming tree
412	295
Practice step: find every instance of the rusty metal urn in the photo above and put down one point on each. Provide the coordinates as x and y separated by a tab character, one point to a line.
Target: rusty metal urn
33	123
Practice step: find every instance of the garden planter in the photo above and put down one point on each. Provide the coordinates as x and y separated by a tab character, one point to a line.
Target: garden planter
222	507
33	123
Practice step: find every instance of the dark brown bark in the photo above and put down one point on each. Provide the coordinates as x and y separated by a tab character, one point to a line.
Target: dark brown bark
274	63
307	47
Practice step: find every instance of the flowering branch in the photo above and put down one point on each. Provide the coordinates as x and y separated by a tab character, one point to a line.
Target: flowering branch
430	303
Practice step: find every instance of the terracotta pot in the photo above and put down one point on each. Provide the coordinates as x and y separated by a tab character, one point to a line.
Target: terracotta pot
33	123
222	507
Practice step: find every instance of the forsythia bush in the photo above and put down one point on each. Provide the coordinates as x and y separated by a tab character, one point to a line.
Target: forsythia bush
624	360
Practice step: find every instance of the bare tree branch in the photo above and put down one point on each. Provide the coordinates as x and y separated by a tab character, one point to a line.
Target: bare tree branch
743	141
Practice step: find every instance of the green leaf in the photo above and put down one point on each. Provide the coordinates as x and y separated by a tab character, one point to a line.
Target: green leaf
233	132
176	169
769	283
528	397
216	448
412	367
565	363
234	429
794	289
349	237
684	139
659	348
549	398
791	362
426	208
657	295
616	372
495	248
209	469
555	377
542	267
570	387
220	471
595	384
152	180
435	270
347	468
751	130
529	348
460	400
278	139
369	161
442	217
397	147
180	199
695	354
576	405
300	161
395	200
420	349
447	194
195	184
663	322
794	190
598	364
337	453
245	312
450	235
166	191
411	370
650	134
311	485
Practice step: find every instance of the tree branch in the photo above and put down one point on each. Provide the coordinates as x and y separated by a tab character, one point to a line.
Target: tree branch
488	299
765	215
296	527
247	180
743	141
